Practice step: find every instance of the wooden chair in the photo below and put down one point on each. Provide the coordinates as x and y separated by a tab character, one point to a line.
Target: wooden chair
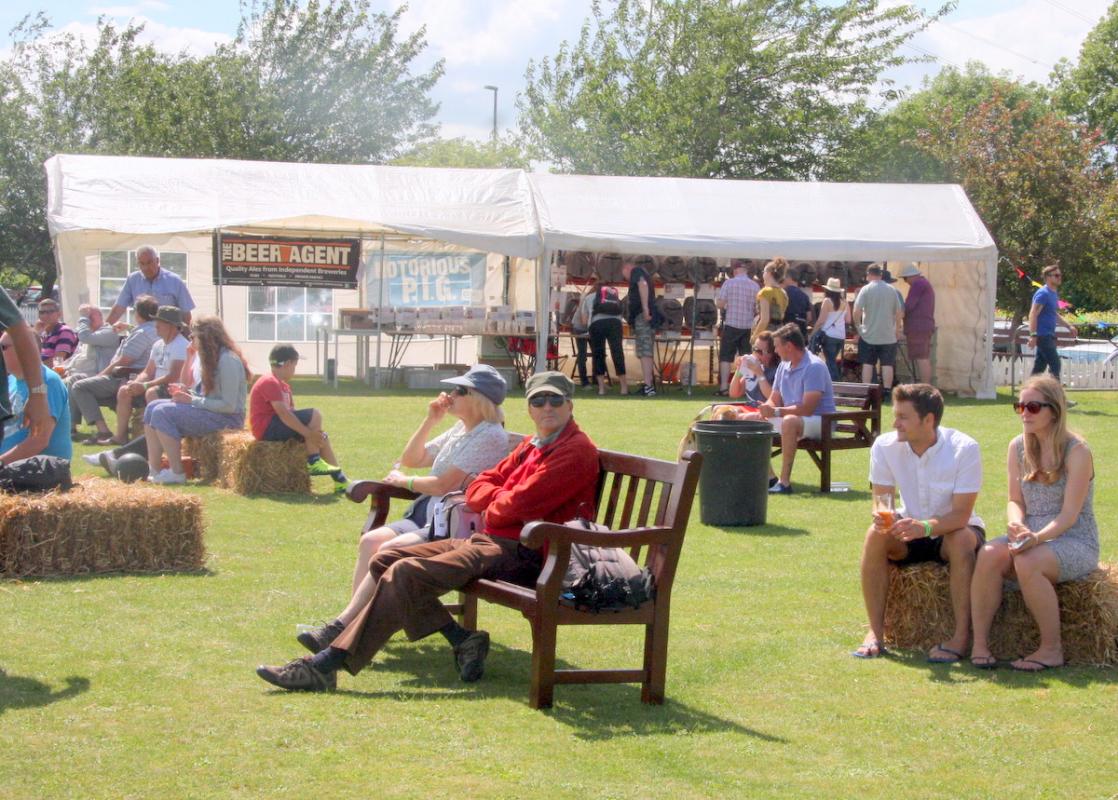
646	503
853	426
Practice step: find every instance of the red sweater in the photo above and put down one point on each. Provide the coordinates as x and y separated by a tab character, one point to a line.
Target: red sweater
555	483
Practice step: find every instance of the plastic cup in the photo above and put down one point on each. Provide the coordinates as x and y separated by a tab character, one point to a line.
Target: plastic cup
883	507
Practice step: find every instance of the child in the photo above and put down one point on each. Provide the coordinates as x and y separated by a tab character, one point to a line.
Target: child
274	418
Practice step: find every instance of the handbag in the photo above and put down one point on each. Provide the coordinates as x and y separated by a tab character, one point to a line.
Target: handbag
451	518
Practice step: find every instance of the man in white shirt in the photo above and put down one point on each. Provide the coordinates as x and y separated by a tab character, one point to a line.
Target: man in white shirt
938	472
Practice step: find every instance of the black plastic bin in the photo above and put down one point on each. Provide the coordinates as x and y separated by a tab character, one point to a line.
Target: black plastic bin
734	482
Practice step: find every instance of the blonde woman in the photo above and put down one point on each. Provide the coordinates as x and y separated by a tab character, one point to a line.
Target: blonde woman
476	442
215	402
772	300
1053	536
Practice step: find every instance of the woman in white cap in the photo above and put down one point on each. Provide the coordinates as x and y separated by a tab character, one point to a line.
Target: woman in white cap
476	442
834	314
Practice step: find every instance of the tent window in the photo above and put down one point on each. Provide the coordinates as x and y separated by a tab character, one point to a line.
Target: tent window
287	313
116	265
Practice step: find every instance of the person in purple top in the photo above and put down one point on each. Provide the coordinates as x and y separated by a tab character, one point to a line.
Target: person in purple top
58	339
1043	316
919	321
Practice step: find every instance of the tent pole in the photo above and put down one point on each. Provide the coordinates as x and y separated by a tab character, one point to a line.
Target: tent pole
543	309
220	276
380	312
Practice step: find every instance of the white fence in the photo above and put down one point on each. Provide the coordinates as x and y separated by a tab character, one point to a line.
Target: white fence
1073	373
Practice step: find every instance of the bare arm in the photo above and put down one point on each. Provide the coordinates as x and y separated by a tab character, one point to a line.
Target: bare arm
415	453
36	413
114	314
642	288
962	506
34	443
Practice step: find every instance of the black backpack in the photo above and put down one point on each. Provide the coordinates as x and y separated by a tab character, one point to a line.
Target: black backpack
608	301
36	474
604	578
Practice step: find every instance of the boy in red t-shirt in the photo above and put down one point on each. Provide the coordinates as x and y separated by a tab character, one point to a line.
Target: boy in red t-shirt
274	417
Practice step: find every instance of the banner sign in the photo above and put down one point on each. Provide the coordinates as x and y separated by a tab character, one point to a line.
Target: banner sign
284	261
426	278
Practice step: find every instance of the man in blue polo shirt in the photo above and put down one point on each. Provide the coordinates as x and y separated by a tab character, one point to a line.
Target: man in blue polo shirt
802	391
1043	316
151	279
20	439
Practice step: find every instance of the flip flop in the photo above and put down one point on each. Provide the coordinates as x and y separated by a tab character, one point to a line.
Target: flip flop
1041	666
870	650
954	656
984	662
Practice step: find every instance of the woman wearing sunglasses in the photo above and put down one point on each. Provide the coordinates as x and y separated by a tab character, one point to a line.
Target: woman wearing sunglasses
476	442
1052	534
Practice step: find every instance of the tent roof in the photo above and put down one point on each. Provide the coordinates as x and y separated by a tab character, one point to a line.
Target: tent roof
487	209
760	219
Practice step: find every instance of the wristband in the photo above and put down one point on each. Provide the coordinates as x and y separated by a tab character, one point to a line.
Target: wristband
411	483
40	389
927	528
778	411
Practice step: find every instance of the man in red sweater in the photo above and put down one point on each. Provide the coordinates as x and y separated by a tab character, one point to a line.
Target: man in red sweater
550	476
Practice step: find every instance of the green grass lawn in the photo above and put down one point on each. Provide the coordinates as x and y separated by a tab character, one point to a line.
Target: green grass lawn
143	686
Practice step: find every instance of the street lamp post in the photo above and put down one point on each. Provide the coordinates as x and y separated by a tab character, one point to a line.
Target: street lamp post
494	90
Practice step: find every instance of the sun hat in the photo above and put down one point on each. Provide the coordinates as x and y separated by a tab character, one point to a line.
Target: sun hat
483	379
910	271
549	383
169	314
833	285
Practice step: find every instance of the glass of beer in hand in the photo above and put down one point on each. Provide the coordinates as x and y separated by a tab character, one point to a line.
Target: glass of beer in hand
883	508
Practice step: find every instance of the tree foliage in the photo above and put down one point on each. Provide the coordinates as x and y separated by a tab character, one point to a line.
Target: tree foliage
712	88
1089	91
461	152
324	81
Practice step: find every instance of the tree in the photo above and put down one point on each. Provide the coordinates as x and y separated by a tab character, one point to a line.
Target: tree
328	82
1089	91
461	152
711	88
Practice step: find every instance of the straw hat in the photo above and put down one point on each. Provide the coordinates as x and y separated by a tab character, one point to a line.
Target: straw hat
910	271
833	285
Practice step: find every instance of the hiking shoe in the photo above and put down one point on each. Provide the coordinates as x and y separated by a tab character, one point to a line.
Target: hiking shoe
107	460
318	639
648	391
469	656
320	467
780	488
299	676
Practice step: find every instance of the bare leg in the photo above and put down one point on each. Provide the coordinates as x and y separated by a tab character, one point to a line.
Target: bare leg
172	446
1038	570
155	448
958	549
924	369
878	549
602	384
314	441
993	566
123	415
646	370
367	547
791	429
867	373
623	382
887	377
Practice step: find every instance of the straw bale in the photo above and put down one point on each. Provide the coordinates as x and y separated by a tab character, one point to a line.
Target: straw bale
206	452
248	466
918	615
100	526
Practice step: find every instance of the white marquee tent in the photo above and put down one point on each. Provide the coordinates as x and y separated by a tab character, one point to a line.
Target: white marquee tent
97	202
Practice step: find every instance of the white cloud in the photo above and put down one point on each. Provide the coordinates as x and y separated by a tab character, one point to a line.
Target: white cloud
165	38
133	10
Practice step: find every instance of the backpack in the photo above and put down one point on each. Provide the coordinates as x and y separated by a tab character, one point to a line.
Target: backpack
608	301
604	578
451	518
36	474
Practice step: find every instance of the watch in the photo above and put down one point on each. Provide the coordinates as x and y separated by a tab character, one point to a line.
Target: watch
40	389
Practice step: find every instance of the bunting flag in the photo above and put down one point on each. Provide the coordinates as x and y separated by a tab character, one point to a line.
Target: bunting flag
1037	285
1020	272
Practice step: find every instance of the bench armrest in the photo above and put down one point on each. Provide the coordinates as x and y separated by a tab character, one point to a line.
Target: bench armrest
536	534
379	496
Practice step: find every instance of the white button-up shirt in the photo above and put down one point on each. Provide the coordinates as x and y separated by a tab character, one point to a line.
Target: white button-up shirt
926	483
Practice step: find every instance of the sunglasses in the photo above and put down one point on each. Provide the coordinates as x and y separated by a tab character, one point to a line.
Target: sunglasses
1033	407
461	391
759	350
541	400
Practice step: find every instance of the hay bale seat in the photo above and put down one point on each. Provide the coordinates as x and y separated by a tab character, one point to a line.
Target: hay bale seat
918	615
237	461
100	526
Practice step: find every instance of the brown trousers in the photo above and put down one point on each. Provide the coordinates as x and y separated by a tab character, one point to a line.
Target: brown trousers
410	581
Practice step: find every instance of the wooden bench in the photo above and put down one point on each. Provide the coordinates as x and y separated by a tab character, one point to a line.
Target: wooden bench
646	503
854	425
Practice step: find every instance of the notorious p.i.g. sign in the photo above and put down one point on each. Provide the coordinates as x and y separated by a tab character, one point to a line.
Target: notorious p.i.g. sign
281	261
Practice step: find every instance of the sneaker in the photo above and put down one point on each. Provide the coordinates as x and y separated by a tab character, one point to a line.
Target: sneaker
318	639
320	467
107	460
93	459
1071	403
299	676
469	656
168	476
648	391
339	488
780	488
772	481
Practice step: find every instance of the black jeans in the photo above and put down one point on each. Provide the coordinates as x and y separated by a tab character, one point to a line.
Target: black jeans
602	331
1046	355
832	350
582	344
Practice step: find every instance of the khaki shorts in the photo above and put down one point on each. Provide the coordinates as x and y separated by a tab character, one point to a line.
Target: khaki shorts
642	337
813	426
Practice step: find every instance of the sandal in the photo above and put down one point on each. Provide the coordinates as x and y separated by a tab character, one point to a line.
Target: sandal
99	438
874	649
983	662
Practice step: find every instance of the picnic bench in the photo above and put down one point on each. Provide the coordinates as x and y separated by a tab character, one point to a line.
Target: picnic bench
646	503
854	425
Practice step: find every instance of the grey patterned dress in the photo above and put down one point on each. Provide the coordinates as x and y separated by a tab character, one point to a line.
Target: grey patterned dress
1077	548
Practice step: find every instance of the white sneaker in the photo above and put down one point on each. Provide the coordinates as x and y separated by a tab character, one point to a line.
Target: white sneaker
92	458
166	476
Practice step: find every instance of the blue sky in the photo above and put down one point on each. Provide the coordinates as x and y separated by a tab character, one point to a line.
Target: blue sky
491	41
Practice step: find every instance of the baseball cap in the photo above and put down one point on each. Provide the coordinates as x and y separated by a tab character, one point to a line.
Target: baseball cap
483	379
549	383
